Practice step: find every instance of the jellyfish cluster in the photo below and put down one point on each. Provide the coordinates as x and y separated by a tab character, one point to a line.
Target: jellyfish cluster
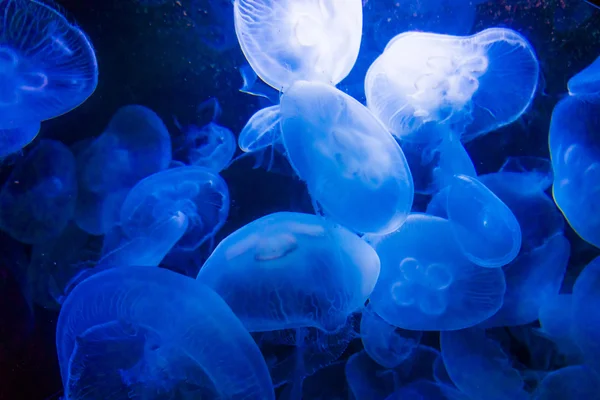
411	272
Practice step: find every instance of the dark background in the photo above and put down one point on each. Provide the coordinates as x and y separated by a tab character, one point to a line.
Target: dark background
159	57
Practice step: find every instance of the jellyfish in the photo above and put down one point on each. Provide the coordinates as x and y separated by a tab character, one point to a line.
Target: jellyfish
38	198
532	174
353	167
149	332
195	194
13	140
387	345
262	130
134	145
575	154
47	65
211	146
472	85
586	320
255	87
573	382
486	230
586	82
286	41
291	270
479	366
427	283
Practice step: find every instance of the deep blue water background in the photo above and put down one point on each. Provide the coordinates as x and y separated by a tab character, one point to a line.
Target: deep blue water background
156	57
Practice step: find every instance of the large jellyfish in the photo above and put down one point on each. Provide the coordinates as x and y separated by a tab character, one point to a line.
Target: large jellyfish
47	65
471	85
197	194
289	40
426	283
134	145
291	270
353	167
136	332
38	198
575	150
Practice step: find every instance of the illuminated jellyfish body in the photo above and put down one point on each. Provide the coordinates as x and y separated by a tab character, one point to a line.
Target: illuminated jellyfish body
586	82
14	139
575	152
135	332
194	193
38	199
472	85
290	270
586	320
353	167
262	130
568	383
427	283
486	230
384	343
432	165
47	65
479	367
134	145
211	146
290	40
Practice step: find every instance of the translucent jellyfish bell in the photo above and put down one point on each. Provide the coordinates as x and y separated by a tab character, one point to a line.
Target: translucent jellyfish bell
47	65
199	194
586	82
426	283
137	332
292	270
13	140
38	198
289	40
352	166
262	130
472	84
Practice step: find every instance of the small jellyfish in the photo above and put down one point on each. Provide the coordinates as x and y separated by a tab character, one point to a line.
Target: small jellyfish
38	198
486	230
479	366
199	194
575	154
384	343
535	173
290	270
427	283
136	332
263	129
14	139
134	145
472	85
211	146
353	167
289	40
47	65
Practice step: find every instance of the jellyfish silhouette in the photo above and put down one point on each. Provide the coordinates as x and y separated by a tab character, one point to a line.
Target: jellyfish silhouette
291	270
290	40
472	85
47	65
38	199
195	194
353	167
149	332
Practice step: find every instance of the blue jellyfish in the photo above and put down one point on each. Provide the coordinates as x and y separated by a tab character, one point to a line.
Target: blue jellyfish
136	332
291	270
134	145
575	152
387	345
569	383
211	146
255	87
433	165
47	65
485	228
353	167
557	324
479	367
196	194
290	40
472	85
586	82
38	198
531	174
263	129
586	320
14	139
427	283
